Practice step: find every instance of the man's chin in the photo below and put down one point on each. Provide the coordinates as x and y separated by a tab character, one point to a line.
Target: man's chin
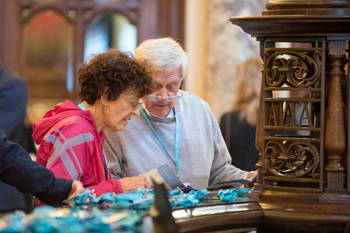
161	113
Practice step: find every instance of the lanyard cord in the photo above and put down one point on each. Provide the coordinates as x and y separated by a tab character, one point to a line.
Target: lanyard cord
105	163
177	140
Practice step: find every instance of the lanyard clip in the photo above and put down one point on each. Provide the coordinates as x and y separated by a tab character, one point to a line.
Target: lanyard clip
177	173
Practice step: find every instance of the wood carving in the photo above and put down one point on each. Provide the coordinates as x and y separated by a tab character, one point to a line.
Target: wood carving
335	132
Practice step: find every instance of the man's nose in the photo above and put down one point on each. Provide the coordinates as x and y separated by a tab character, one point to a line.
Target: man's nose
163	93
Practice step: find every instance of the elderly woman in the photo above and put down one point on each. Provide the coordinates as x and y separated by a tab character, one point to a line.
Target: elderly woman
71	137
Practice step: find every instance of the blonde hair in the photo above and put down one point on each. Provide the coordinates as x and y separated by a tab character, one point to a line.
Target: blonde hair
247	90
164	54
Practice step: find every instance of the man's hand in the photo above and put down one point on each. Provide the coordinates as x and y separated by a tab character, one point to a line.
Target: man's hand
77	189
250	175
132	183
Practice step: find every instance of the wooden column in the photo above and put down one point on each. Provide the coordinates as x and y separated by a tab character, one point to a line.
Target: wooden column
79	45
335	128
259	137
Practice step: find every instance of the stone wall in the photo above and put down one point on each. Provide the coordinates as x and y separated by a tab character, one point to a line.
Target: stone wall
228	47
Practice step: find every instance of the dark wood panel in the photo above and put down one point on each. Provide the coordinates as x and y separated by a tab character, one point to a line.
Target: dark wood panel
10	36
147	21
171	19
153	19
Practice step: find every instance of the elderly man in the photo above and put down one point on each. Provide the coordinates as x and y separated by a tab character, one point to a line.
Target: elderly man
175	127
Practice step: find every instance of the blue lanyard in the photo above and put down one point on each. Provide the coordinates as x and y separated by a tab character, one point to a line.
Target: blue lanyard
177	139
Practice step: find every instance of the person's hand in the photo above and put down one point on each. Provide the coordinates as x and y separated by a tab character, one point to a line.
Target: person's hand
77	189
251	174
132	183
32	156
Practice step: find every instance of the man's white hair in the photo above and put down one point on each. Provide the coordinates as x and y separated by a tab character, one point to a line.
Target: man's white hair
162	55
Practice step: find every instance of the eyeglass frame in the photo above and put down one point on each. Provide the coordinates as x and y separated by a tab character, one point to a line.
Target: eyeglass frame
134	106
168	98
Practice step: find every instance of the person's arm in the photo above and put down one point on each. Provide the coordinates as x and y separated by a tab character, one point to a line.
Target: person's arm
69	166
17	169
106	186
120	185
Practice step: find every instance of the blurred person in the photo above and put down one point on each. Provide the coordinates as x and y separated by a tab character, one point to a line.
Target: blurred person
175	127
13	105
18	170
71	137
238	126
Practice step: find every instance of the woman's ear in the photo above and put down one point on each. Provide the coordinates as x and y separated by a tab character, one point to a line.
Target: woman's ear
103	99
104	96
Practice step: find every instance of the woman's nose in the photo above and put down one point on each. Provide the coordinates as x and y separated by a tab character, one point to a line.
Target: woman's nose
136	111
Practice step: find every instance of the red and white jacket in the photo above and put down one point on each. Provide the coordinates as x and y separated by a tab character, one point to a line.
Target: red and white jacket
72	148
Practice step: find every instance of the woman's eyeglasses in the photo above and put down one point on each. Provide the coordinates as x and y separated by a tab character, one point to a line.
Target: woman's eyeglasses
154	98
132	104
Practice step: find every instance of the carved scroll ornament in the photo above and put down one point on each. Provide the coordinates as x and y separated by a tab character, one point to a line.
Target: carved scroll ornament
300	70
297	160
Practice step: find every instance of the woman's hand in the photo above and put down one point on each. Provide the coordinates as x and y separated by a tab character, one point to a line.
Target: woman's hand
132	183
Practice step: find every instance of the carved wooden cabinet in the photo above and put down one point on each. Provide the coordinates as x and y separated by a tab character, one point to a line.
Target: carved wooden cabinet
303	127
303	136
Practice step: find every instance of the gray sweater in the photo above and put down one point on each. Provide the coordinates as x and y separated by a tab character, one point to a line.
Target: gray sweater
203	160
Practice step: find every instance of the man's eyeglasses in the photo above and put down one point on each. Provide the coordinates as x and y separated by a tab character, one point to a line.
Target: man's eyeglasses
133	104
154	98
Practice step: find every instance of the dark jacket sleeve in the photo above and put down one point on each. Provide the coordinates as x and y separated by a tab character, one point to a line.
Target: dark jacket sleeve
17	169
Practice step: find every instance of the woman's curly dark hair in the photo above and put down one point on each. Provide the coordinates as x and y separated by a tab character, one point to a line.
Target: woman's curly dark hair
110	74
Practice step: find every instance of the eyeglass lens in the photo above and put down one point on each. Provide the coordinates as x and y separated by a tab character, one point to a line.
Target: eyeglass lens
168	98
136	105
133	105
